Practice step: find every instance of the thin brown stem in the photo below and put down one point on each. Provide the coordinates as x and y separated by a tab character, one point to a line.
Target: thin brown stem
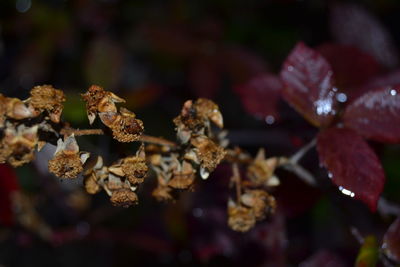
77	132
156	140
142	138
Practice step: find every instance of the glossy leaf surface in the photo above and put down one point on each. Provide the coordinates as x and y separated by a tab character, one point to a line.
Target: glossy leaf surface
375	114
352	165
351	66
308	85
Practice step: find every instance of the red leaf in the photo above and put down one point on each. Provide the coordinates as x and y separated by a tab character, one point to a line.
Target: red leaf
391	78
375	115
391	241
352	67
308	85
8	185
352	164
353	25
260	96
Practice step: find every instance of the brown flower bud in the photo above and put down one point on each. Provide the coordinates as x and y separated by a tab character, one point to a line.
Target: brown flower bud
208	109
91	184
208	152
240	218
260	201
183	178
98	100
125	127
135	169
17	146
16	109
67	161
124	198
261	170
46	98
94	176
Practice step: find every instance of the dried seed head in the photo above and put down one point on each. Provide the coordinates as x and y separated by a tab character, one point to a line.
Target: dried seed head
135	169
91	184
162	193
18	145
98	100
261	170
16	109
46	98
260	201
115	183
124	198
240	218
126	128
208	152
67	161
184	178
206	108
188	122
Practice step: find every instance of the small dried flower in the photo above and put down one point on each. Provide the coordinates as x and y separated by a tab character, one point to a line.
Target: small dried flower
94	176
183	178
206	108
18	145
208	152
162	192
125	127
91	184
240	218
16	109
46	98
124	198
260	201
261	170
98	100
67	161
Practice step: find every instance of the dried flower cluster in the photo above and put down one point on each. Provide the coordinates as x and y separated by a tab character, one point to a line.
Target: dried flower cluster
22	120
120	180
123	123
255	203
198	151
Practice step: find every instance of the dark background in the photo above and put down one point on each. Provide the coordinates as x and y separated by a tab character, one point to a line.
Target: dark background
157	54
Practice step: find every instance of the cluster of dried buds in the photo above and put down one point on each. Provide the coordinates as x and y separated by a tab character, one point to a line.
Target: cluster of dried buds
123	123
253	202
22	120
198	151
120	180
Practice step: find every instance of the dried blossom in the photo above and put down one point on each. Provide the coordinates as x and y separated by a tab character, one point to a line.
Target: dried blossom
162	192
133	168
183	178
67	161
124	197
95	176
46	98
260	201
18	145
240	218
98	100
124	125
209	153
14	108
261	170
206	108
